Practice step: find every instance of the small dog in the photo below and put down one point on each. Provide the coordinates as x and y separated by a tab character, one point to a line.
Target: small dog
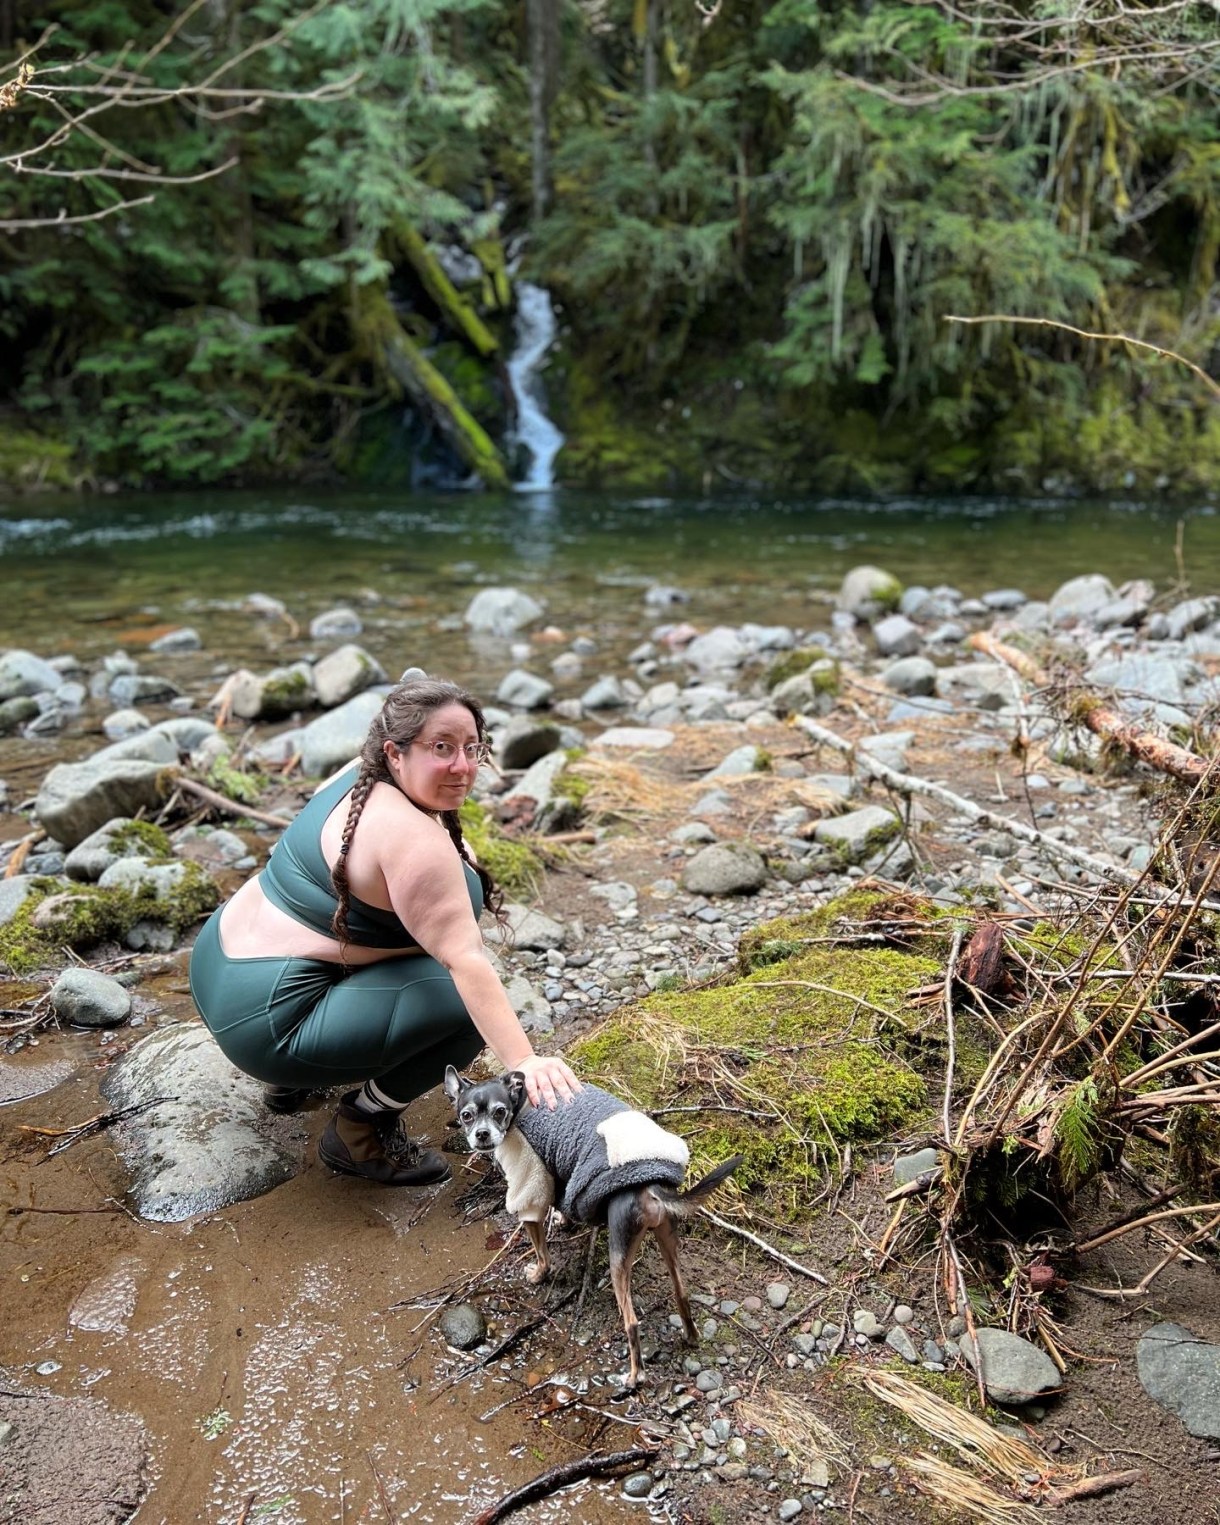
598	1161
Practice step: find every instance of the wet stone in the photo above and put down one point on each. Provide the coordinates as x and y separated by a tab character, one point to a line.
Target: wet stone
638	1485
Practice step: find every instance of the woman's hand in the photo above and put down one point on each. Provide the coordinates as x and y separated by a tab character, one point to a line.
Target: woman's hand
548	1081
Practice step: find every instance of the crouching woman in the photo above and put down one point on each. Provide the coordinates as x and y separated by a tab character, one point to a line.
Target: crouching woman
355	958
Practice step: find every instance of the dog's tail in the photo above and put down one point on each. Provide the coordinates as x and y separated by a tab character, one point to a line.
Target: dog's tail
681	1204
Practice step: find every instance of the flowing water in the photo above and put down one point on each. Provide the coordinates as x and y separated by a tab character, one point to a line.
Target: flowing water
77	572
534	430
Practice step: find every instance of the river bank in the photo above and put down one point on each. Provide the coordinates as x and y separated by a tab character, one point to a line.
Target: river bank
311	1401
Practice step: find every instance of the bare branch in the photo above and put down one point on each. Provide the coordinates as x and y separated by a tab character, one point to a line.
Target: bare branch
63	221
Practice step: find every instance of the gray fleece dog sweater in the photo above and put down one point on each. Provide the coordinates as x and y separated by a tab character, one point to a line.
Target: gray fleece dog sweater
596	1145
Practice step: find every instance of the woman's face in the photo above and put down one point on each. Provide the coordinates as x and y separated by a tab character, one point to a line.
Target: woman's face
438	768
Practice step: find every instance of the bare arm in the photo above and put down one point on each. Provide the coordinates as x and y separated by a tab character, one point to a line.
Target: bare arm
427	888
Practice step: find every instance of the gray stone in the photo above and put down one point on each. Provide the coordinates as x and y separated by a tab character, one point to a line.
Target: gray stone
182	639
896	636
803	694
985	685
501	611
854	835
336	737
1182	1373
740	760
1004	599
90	859
75	799
344	673
1013	1370
529	929
87	998
136	687
606	694
209	1141
13	894
1079	598
23	674
463	1326
1191	614
635	738
524	740
898	1339
888	747
725	868
335	625
866	591
910	675
908	1167
865	1322
778	1293
637	1485
123	723
525	690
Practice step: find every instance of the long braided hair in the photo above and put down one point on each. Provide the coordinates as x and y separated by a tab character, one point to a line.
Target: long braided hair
402	717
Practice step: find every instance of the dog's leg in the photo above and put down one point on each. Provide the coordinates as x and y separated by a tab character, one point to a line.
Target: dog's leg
536	1229
667	1240
625	1227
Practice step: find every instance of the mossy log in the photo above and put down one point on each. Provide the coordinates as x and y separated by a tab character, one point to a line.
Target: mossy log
457	311
497	288
1103	719
393	352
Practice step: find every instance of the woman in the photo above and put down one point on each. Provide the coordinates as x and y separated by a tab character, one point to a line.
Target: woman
355	955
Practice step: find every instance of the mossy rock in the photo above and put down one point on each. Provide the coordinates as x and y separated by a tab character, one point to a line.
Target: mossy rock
800	659
793	1060
142	839
61	913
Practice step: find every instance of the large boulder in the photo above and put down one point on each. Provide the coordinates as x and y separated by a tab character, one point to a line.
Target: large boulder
77	798
344	673
1182	1373
208	1141
501	611
23	674
337	737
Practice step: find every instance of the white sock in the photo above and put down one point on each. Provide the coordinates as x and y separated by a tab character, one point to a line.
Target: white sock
371	1098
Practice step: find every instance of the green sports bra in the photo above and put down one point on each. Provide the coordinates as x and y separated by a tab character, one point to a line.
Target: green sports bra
296	879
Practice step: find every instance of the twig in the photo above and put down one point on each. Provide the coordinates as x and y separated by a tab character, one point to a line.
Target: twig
69	1136
562	1476
223	802
509	1342
1091	1487
767	1249
385	1498
950	974
246	1507
1212	385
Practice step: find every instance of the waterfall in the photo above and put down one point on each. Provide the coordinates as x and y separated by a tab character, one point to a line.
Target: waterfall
535	332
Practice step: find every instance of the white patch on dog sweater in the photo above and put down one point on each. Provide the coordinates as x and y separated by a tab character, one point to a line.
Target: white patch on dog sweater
531	1186
633	1136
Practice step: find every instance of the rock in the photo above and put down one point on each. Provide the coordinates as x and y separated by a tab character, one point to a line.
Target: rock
525	690
501	611
911	675
13	894
638	1485
134	688
986	685
87	998
528	929
344	673
22	674
606	694
896	636
719	650
123	723
867	591
778	1293
1013	1370
182	639
463	1326
118	838
336	738
1182	1373
725	868
865	1322
524	740
854	835
212	1143
637	738
335	625
1080	598
740	761
77	798
898	1339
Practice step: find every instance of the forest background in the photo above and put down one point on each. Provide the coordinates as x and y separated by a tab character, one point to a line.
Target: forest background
278	242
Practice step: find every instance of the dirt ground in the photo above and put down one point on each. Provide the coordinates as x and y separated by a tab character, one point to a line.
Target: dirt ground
280	1360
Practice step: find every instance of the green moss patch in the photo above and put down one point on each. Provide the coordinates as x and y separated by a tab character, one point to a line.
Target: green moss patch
58	914
801	1055
514	867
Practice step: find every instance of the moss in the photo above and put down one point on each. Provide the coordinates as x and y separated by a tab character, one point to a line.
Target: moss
794	1059
516	869
233	783
798	660
30	461
286	692
85	914
570	785
142	839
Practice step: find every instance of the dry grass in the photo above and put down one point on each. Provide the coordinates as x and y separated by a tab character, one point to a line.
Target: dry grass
790	1422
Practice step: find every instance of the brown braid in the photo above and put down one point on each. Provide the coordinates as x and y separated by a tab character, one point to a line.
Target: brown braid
401	718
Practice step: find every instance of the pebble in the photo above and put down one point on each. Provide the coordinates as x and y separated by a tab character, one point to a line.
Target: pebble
778	1293
638	1485
789	1509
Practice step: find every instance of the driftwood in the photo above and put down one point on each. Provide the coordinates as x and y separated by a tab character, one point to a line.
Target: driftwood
223	802
563	1476
1102	718
982	962
908	783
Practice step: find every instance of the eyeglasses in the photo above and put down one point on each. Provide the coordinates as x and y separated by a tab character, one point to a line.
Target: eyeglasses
444	752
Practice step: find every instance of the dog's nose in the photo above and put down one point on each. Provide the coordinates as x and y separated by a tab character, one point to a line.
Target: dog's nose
483	1138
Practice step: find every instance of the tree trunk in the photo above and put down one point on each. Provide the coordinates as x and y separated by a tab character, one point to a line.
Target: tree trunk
395	355
542	25
454	307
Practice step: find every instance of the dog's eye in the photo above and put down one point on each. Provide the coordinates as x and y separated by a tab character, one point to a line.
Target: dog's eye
466	1116
500	1114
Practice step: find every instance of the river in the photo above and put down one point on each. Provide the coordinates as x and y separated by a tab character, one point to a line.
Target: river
80	572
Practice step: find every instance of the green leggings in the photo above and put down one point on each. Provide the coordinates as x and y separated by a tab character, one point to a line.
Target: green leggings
309	1023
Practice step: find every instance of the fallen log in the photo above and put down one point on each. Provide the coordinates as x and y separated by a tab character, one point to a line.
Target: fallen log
394	353
563	1476
909	783
1092	711
454	307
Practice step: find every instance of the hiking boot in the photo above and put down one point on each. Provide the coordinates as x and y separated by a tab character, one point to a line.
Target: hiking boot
285	1098
373	1145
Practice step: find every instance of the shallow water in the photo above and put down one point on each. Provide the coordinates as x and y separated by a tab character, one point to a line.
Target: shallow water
81	573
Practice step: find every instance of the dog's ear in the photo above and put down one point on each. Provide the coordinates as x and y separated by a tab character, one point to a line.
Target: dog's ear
455	1084
515	1081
